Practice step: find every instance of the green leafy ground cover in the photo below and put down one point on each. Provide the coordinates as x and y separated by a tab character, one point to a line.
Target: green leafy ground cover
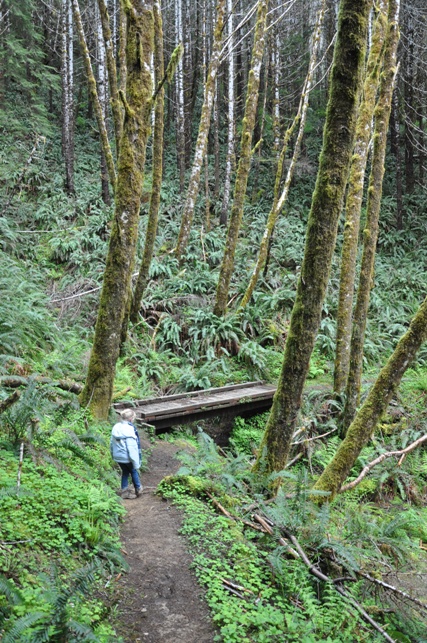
59	539
258	592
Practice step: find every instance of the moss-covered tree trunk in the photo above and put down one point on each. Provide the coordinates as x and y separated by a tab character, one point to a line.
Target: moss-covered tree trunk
354	199
370	233
98	388
338	140
202	138
280	200
362	427
105	144
157	171
243	168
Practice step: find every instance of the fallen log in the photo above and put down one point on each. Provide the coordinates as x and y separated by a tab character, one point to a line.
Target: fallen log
65	385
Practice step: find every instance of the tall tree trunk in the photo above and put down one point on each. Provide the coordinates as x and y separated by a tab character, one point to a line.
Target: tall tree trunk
395	140
98	389
112	72
202	138
157	172
105	144
179	93
279	201
242	174
410	115
122	50
354	199
382	116
103	100
338	141
376	403
67	78
230	116
275	64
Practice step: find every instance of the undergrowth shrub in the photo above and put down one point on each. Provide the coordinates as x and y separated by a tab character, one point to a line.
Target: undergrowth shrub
256	591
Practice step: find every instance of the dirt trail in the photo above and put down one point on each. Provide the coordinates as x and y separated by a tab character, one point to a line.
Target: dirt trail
160	601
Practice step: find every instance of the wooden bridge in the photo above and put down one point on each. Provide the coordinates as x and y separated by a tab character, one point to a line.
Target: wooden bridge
239	399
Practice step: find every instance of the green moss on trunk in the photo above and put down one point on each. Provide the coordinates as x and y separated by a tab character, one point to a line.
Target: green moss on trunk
346	81
157	172
354	200
376	403
98	388
370	234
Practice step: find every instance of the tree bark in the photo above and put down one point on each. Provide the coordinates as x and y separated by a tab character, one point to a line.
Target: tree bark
67	95
179	93
98	389
242	174
202	138
157	171
364	424
112	72
338	140
103	101
354	200
279	201
382	116
230	116
94	95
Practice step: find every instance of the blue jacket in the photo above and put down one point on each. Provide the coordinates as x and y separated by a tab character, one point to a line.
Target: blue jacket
124	444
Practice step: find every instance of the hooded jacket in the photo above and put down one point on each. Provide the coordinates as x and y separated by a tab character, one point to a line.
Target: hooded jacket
124	444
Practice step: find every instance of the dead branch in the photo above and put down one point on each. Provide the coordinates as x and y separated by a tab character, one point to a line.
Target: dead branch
5	404
263	522
234	586
383	456
316	572
226	513
393	589
65	385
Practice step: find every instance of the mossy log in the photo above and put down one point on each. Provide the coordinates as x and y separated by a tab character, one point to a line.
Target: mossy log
370	233
115	292
362	427
66	385
353	207
338	140
243	168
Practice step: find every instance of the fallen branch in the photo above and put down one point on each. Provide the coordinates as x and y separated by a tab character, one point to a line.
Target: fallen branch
297	552
393	589
383	456
5	404
263	522
226	513
316	437
65	385
316	572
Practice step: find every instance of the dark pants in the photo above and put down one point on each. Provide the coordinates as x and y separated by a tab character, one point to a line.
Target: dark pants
128	470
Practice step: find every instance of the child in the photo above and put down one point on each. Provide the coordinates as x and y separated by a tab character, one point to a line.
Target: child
126	451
